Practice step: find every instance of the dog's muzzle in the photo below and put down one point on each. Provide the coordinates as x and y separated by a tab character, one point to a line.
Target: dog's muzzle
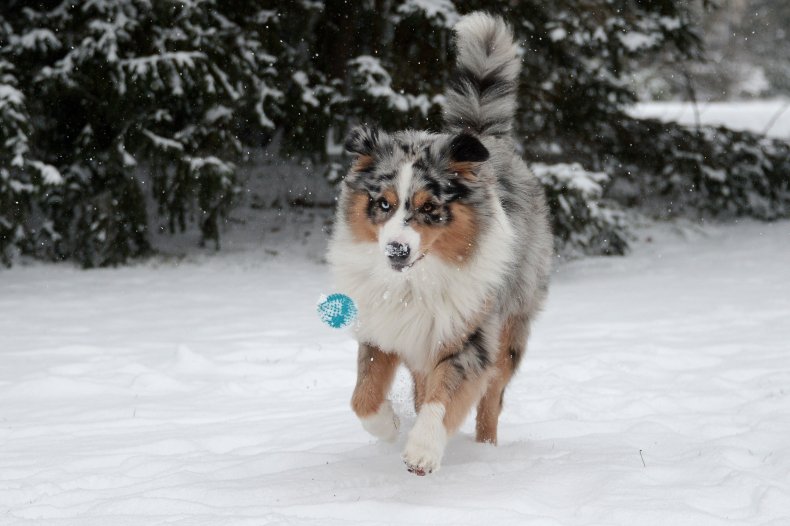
398	254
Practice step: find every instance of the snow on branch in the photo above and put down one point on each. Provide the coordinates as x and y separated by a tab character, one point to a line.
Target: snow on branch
583	222
442	11
40	40
142	66
163	143
49	174
209	163
374	79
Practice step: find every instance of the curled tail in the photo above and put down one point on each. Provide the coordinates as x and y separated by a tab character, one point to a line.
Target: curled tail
481	98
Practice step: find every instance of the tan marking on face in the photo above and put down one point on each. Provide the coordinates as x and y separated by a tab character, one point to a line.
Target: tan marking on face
391	197
362	163
420	198
467	170
357	216
455	241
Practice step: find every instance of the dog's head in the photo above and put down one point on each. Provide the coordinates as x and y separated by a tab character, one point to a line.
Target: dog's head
415	193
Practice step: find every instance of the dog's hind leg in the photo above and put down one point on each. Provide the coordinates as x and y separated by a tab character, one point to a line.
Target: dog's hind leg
512	344
375	373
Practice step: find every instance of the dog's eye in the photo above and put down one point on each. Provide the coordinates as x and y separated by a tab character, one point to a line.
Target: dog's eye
384	204
427	208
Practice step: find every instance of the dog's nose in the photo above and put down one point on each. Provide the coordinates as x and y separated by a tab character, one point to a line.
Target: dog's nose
397	252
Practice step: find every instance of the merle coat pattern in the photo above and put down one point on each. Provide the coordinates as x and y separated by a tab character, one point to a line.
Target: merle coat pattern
443	241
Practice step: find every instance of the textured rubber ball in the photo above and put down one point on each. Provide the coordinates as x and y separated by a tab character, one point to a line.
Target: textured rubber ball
337	310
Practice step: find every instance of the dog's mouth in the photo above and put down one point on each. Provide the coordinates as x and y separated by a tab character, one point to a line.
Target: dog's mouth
398	267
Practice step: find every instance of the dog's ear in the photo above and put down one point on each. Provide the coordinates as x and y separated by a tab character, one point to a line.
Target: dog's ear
363	140
466	148
465	153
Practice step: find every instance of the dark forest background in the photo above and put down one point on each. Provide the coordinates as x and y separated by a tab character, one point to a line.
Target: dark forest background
116	115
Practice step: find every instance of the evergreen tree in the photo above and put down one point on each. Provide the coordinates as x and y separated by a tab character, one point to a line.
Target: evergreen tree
580	59
126	100
108	107
19	182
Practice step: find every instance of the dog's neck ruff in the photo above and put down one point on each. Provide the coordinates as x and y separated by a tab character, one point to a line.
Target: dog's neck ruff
417	311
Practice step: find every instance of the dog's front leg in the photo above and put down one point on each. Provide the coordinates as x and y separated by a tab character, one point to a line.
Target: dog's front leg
375	372
451	389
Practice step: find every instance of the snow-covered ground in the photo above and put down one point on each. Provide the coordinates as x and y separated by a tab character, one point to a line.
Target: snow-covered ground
770	117
205	391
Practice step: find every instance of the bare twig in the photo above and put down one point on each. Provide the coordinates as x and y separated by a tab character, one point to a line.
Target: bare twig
776	116
643	459
692	95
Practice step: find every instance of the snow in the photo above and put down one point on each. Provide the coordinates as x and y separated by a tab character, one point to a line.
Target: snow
41	40
141	66
196	164
218	112
572	175
300	77
634	40
265	92
557	34
376	81
10	96
163	142
205	390
770	117
441	10
754	81
49	174
670	24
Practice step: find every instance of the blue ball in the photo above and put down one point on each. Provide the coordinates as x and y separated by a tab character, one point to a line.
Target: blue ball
337	311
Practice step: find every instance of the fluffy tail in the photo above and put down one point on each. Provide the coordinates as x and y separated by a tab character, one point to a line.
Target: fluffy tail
481	98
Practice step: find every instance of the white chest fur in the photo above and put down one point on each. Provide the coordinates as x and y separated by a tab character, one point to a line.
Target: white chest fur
414	312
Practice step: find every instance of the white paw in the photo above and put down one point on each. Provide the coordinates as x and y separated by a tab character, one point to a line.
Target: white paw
383	424
422	457
425	446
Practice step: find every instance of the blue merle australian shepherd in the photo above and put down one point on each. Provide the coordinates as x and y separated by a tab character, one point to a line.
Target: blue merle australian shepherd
443	242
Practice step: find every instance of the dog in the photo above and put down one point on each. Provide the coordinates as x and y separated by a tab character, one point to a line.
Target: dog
443	242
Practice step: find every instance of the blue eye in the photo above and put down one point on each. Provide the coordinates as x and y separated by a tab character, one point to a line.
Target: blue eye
384	204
